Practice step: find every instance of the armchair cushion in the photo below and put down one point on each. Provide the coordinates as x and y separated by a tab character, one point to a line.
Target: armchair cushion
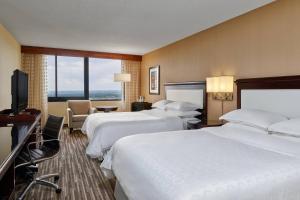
79	107
79	118
93	110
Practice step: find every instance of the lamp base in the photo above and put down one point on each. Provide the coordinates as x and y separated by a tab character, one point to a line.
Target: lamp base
223	96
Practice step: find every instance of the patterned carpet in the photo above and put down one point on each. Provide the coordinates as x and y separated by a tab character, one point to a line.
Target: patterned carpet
80	176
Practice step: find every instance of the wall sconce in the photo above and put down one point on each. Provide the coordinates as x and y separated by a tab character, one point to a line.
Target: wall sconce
221	88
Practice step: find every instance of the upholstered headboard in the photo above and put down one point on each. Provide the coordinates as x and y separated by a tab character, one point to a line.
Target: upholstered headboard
276	94
193	92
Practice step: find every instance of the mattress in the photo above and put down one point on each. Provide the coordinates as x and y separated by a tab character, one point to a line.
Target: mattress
104	129
217	163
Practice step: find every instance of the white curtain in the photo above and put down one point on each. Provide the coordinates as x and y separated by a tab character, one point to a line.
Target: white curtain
132	88
35	65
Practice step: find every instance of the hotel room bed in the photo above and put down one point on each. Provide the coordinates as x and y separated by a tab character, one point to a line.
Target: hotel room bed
219	163
104	129
239	160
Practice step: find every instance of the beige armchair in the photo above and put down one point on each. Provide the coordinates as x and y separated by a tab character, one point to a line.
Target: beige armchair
77	112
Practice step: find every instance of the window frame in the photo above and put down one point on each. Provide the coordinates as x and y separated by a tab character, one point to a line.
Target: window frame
86	85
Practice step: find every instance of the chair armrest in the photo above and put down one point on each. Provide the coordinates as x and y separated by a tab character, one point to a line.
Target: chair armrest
92	110
70	116
31	162
39	142
31	144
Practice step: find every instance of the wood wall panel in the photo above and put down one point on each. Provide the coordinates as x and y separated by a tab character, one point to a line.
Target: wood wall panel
78	53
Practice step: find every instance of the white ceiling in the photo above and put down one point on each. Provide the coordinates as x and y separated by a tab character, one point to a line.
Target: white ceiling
118	26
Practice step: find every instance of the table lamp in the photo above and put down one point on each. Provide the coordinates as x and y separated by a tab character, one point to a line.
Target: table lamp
123	78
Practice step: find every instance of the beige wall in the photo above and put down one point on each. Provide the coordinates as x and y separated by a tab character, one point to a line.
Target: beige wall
264	42
10	59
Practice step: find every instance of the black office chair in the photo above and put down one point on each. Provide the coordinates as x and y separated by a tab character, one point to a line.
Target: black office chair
40	151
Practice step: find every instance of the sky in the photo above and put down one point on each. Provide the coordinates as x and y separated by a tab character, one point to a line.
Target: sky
70	73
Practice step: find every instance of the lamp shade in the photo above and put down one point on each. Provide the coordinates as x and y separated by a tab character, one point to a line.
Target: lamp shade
219	84
122	77
226	84
212	84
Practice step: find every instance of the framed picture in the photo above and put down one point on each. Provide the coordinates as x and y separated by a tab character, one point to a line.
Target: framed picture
154	80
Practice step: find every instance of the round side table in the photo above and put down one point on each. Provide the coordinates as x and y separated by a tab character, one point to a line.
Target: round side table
106	109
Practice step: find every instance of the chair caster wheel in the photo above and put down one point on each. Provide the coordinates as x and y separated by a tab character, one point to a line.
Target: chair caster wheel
58	190
56	178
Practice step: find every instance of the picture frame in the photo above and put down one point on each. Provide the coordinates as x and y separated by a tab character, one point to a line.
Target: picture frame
154	80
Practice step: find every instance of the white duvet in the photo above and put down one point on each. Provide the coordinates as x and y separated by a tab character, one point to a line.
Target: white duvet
220	163
104	129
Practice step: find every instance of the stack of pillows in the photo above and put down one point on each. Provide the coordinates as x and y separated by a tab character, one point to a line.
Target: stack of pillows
273	123
178	108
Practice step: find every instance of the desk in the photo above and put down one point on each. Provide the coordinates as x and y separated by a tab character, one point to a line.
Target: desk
13	137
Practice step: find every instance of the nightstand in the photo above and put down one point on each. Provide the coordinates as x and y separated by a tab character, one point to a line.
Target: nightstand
195	124
138	106
212	123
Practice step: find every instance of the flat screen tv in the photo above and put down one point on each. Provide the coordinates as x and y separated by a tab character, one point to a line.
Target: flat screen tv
19	91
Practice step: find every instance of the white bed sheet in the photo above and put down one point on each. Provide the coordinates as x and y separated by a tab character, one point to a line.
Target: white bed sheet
104	129
218	163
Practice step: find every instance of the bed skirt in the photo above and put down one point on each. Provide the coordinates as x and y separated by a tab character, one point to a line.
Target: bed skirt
119	192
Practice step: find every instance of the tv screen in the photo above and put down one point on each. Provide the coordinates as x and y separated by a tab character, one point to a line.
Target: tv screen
19	91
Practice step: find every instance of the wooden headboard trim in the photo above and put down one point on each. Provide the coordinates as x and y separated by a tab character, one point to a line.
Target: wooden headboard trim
281	82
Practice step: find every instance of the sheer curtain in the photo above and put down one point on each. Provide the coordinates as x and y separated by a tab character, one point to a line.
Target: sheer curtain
35	65
132	88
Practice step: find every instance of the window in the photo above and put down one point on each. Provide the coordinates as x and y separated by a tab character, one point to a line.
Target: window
70	76
101	83
82	78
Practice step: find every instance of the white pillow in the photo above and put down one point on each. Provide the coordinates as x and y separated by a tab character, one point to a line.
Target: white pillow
289	127
183	114
255	118
182	106
161	104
